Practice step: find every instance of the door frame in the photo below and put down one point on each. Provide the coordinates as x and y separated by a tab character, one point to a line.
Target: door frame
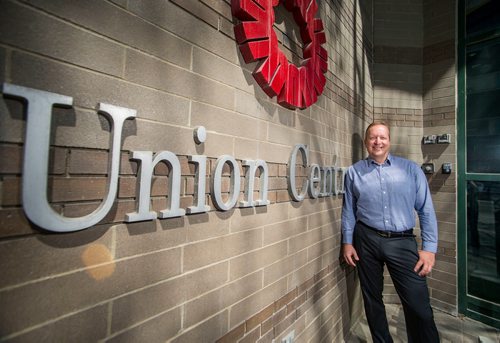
470	306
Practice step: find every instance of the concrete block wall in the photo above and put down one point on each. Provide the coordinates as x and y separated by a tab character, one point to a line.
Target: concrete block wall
414	91
247	274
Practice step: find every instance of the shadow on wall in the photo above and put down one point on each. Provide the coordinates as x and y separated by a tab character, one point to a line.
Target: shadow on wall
357	147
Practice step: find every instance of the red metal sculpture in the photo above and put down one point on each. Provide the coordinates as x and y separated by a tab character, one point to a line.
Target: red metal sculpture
295	87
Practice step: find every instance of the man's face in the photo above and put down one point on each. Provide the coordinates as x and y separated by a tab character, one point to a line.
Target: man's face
378	142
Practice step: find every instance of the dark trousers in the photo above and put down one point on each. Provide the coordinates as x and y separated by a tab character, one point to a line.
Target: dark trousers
400	254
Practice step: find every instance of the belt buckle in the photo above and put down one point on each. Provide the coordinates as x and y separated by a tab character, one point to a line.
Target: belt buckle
384	234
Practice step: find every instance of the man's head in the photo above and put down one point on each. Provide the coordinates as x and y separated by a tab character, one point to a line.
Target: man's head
378	141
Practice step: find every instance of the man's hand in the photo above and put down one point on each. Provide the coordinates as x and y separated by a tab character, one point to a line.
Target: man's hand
349	254
425	263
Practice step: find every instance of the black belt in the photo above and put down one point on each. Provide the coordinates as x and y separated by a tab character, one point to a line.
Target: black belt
389	234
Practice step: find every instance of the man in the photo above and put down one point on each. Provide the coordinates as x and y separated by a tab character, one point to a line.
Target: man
382	193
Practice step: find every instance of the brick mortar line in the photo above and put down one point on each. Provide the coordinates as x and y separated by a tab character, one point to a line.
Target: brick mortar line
183	245
324	321
351	94
92	71
95	72
83	269
99	34
68	21
329	270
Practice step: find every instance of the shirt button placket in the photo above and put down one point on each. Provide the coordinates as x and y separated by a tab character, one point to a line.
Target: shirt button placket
385	197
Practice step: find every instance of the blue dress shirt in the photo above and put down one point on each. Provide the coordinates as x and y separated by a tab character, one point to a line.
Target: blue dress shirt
386	196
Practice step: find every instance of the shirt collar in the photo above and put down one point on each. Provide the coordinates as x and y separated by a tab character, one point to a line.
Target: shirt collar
388	161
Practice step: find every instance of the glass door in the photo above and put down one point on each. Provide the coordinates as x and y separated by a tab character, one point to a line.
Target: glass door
478	144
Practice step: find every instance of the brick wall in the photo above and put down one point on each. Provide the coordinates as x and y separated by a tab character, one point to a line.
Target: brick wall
439	117
414	91
246	274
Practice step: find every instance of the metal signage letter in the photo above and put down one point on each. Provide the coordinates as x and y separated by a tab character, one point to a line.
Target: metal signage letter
292	188
36	157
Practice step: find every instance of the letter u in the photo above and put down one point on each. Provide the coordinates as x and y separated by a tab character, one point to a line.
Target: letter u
36	157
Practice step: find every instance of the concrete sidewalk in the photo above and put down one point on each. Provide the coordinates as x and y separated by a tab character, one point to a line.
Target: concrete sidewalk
451	329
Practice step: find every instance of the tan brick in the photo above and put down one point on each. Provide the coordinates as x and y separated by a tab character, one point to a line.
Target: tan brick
247	148
17	255
214	67
284	135
230	123
107	57
174	19
220	7
146	71
91	325
252	261
285	323
213	302
284	267
247	218
321	219
323	247
389	110
158	328
22	304
199	10
249	104
208	331
148	236
448	278
155	299
155	137
267	337
443	296
207	225
284	230
206	252
299	275
88	89
124	27
442	286
257	301
226	27
276	153
304	240
309	206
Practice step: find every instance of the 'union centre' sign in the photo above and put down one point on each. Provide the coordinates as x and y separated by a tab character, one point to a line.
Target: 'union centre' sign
322	181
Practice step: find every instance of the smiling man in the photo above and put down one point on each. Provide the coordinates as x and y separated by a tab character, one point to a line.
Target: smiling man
382	194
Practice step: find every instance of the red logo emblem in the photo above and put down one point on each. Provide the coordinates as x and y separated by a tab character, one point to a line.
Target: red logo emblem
296	87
